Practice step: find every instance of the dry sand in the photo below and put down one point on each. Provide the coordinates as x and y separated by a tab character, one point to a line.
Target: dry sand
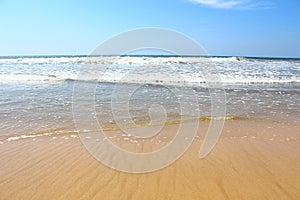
253	159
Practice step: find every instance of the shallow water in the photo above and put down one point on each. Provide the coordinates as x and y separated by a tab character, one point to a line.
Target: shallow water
36	93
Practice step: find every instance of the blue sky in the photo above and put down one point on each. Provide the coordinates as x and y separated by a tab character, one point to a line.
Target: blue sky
222	27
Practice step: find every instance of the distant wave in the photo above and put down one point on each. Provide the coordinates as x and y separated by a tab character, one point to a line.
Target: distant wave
40	78
28	78
152	70
41	60
118	60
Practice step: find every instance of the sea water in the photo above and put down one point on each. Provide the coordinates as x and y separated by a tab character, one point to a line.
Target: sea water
37	93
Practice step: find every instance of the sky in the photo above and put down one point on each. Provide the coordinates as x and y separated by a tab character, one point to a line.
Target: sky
263	28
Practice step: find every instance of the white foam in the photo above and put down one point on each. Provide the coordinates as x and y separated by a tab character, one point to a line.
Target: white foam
159	70
42	60
22	78
28	136
13	138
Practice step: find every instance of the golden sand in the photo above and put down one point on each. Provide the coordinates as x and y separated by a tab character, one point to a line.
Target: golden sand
252	160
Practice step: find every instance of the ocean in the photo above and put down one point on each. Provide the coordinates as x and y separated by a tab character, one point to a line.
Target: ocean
37	93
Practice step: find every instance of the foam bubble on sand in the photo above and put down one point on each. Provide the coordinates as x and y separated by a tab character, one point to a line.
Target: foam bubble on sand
27	136
13	138
134	141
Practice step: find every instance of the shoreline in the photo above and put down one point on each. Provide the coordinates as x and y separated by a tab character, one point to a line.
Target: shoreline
110	127
252	160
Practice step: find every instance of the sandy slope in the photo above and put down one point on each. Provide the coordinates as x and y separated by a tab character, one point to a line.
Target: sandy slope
252	160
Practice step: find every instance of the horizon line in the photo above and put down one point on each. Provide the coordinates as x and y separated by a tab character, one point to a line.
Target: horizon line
143	55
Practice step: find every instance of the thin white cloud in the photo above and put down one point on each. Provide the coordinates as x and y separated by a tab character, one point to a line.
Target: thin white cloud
235	4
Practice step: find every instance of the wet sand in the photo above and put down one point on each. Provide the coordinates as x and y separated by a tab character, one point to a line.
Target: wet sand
254	159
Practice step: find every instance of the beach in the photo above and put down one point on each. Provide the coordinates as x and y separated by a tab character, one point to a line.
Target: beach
53	110
254	159
150	100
